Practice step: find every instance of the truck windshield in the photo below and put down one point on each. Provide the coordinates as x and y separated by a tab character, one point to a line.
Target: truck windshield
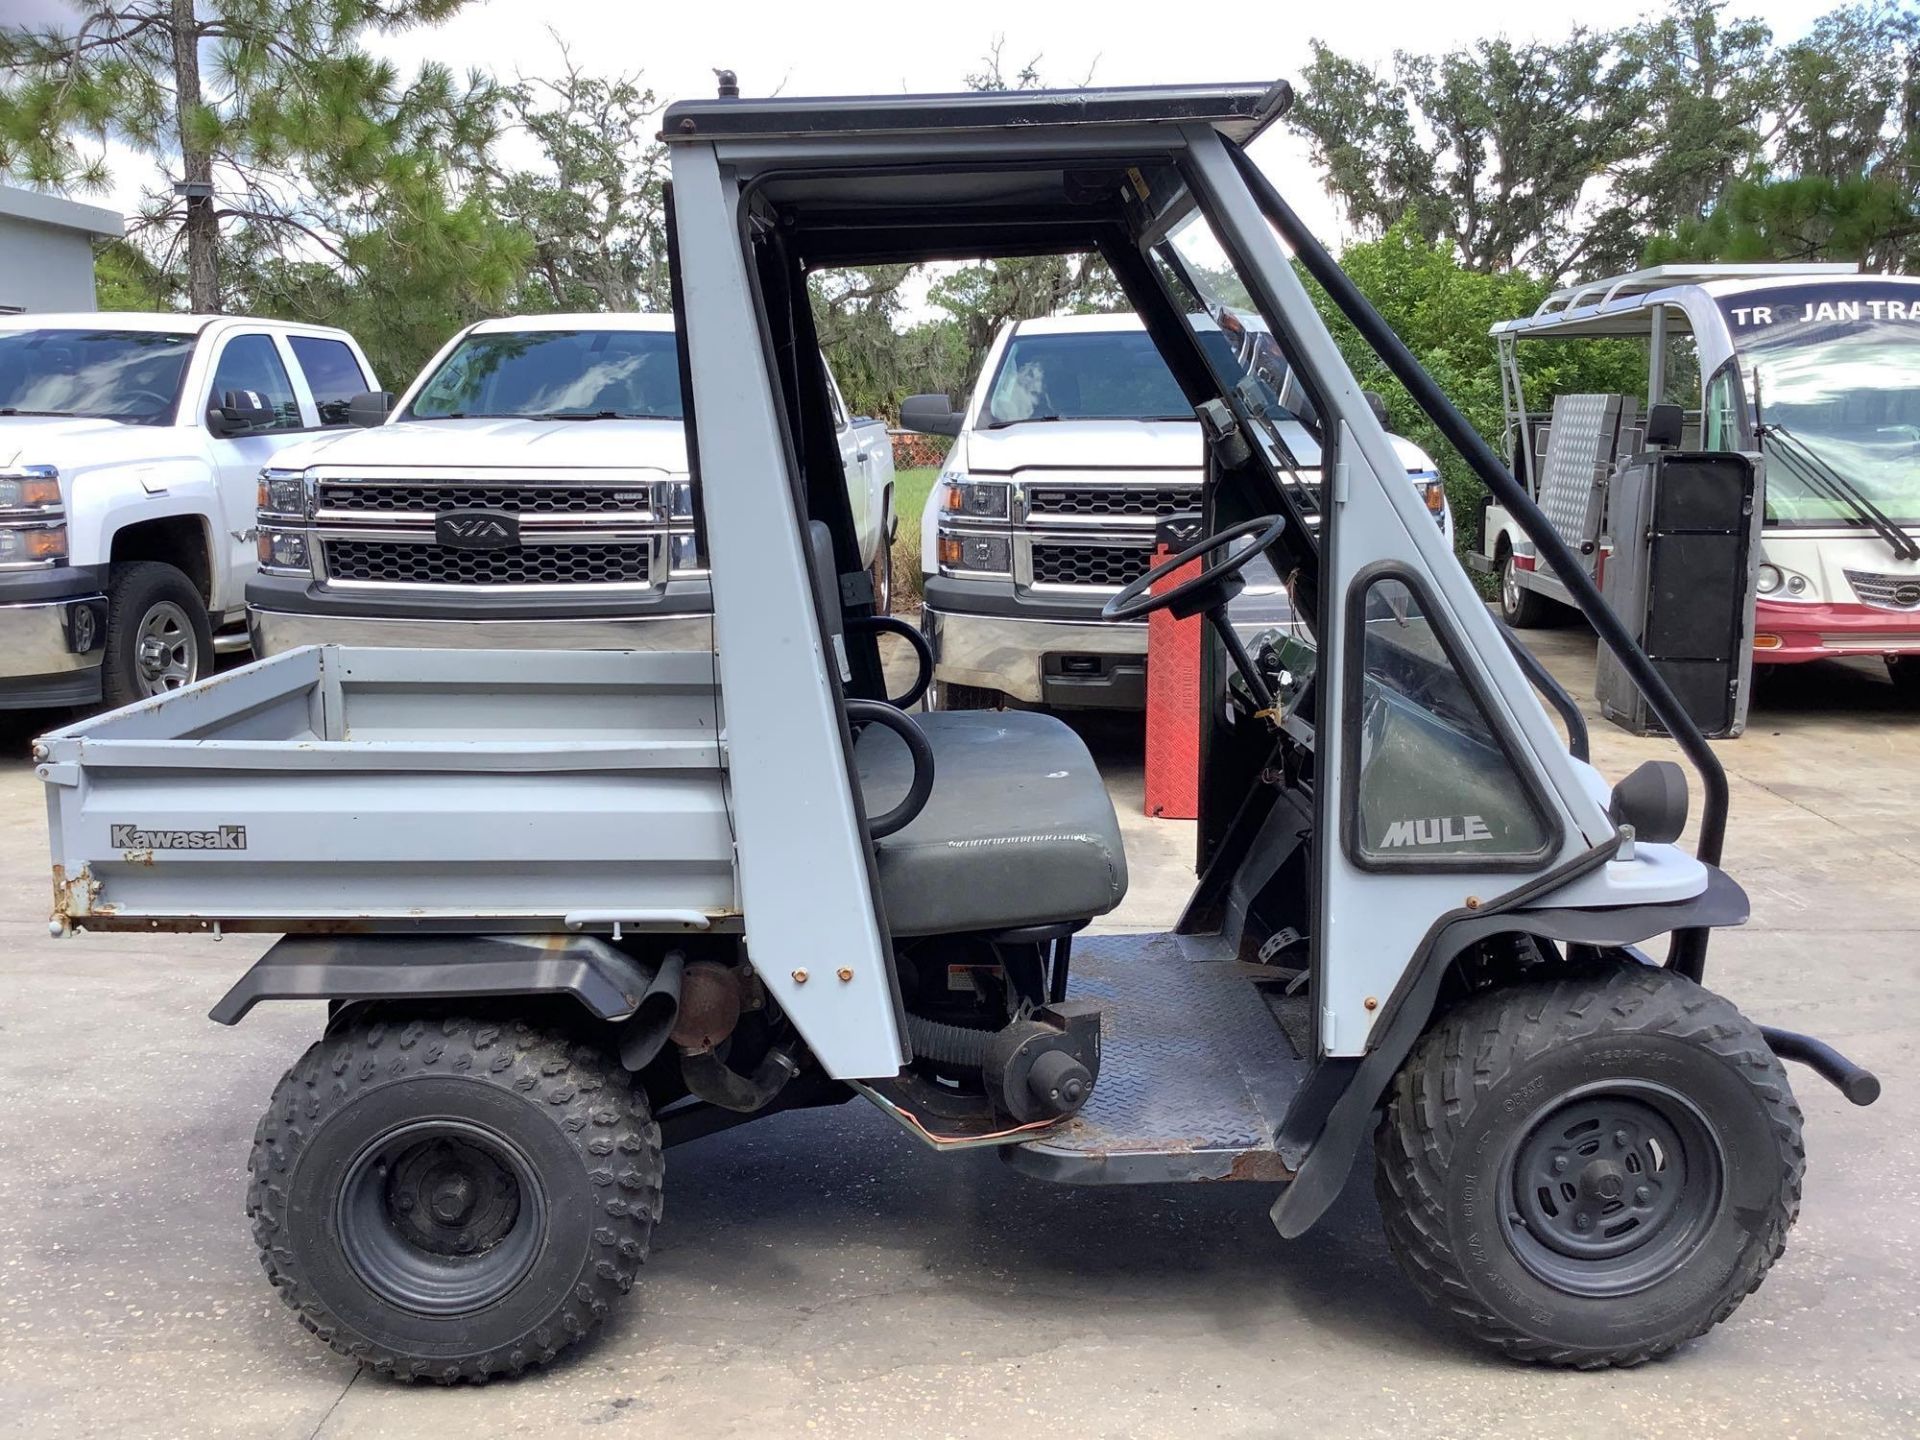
556	375
132	376
1098	375
1834	371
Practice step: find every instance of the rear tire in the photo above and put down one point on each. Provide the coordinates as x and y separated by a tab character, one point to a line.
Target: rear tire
158	635
1590	1171
453	1198
1521	608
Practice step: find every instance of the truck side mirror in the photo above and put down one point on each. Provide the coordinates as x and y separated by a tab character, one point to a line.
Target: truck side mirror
930	415
1377	403
370	408
241	412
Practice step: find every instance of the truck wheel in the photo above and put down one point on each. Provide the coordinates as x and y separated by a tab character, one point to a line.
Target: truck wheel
1903	671
1521	608
965	697
883	575
453	1198
1590	1171
158	635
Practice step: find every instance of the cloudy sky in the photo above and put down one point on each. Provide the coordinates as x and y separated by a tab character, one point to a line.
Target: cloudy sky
869	48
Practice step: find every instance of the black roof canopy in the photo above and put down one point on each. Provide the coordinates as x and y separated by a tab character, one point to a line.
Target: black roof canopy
1238	111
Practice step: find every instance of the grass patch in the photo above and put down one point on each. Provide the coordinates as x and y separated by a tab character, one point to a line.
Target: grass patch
910	491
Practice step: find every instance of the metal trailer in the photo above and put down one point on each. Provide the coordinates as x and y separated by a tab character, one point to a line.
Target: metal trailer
569	910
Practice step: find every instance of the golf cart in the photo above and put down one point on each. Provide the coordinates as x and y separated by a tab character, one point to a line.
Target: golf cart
569	909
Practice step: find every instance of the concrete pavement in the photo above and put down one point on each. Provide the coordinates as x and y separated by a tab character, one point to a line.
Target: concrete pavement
822	1275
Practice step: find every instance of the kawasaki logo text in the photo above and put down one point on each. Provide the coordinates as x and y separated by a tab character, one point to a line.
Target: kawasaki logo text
132	837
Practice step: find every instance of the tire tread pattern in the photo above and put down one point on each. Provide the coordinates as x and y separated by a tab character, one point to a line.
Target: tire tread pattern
1476	1050
590	1097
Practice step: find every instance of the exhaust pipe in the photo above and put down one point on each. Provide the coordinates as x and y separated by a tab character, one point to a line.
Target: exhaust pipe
644	1034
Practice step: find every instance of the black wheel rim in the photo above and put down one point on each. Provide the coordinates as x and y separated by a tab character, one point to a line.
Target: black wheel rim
1612	1188
441	1217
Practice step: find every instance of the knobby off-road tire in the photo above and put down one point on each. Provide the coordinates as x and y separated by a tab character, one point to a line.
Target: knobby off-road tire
1629	1064
453	1198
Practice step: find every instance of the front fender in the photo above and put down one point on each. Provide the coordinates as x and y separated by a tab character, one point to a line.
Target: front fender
1327	1156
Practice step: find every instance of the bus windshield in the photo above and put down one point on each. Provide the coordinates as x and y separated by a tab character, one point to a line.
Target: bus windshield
1833	372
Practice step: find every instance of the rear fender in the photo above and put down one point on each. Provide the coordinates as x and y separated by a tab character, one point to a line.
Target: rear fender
640	996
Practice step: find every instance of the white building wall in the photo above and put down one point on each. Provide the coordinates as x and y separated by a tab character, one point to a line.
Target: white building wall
44	267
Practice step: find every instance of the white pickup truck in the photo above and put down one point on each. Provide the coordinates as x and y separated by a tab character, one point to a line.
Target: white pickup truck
130	450
530	490
1075	445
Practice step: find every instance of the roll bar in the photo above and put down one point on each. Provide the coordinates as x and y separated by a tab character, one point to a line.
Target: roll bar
1688	954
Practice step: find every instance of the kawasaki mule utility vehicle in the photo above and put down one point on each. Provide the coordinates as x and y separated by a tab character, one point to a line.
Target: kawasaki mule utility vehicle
571	908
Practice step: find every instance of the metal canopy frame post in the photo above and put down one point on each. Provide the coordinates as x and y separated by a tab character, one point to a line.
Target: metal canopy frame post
1688	954
806	882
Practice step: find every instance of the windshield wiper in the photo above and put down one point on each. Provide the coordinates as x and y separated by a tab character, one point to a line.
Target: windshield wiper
1022	420
43	414
1817	474
582	415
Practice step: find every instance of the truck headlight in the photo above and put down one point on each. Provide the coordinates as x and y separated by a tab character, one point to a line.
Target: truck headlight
1433	491
283	492
30	487
285	551
963	554
680	499
974	499
33	544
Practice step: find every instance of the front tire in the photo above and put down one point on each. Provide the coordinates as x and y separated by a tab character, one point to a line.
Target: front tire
158	635
453	1198
1590	1171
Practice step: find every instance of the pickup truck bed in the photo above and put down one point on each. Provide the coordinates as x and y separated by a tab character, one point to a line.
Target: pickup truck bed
333	789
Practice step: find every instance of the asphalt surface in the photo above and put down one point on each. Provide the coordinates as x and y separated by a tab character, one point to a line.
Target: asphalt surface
822	1275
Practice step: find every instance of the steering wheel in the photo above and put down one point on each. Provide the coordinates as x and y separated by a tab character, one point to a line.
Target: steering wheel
919	752
922	653
1210	590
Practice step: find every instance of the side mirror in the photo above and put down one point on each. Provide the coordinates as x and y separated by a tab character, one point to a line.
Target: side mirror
1377	403
370	408
1665	424
930	415
240	412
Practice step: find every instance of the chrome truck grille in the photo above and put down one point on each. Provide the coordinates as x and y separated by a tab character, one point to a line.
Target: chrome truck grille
1106	567
1097	534
627	500
384	562
1055	502
575	533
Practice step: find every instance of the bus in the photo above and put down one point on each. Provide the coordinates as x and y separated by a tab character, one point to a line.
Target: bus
1814	367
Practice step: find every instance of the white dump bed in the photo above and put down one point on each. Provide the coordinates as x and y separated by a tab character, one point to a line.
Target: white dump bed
339	789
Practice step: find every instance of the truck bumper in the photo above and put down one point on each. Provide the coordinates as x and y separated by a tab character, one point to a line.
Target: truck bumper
1068	663
1785	633
277	631
53	631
